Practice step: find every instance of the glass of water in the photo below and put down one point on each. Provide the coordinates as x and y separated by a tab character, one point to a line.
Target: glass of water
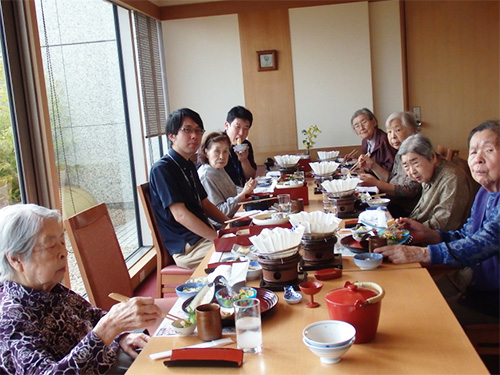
284	203
248	325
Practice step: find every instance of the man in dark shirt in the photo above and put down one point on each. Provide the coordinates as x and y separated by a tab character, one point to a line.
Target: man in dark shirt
178	198
241	165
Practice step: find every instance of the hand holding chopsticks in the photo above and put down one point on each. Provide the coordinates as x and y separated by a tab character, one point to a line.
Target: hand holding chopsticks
121	298
355	165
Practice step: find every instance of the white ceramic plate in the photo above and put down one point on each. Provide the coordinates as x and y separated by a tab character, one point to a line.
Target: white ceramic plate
265	219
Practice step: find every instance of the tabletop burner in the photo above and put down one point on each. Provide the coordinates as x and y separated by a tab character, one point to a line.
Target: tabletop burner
335	262
277	286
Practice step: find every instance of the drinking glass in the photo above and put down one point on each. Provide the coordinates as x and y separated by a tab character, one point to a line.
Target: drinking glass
284	203
248	325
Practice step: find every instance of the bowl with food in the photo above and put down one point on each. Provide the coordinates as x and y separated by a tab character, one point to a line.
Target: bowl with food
226	300
270	218
368	261
184	291
361	232
183	327
396	236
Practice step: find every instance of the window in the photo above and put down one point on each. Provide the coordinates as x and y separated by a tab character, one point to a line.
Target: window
95	114
9	182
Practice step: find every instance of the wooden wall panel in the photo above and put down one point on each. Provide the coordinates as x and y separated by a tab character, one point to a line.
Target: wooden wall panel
453	66
268	94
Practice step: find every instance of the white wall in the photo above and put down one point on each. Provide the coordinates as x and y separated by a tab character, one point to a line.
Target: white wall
386	56
203	64
331	69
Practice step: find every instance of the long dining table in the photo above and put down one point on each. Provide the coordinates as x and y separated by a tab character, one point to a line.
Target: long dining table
417	332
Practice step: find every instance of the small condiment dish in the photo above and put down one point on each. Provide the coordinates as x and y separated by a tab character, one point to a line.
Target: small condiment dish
368	261
378	202
291	296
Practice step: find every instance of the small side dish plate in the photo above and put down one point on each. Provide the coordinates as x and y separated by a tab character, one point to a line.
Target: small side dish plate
328	274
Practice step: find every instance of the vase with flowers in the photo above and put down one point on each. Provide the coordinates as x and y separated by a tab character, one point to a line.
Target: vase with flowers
311	133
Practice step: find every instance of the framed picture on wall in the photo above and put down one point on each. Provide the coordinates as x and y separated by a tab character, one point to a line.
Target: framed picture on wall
267	60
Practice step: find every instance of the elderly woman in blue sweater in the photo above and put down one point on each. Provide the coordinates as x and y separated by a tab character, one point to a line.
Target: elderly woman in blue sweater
476	245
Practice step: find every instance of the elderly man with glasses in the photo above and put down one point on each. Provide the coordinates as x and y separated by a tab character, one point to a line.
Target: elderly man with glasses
241	165
178	198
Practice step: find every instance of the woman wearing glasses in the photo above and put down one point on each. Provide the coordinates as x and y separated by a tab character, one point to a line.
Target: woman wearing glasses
374	140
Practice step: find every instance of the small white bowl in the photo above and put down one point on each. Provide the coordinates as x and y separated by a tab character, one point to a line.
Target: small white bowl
329	355
378	202
182	330
240	148
254	270
329	333
368	261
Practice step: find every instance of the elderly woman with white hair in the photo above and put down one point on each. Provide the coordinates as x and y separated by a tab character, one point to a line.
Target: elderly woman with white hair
46	328
472	292
446	192
401	188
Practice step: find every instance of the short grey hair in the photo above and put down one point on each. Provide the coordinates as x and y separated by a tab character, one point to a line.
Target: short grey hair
20	225
367	113
407	120
418	144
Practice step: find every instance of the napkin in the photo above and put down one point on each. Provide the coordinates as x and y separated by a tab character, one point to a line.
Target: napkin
234	273
324	168
287	160
316	221
277	239
337	186
324	155
375	218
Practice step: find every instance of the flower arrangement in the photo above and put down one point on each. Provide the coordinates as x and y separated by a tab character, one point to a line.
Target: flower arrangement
311	133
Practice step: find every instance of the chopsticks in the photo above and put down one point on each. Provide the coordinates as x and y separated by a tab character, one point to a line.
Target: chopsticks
375	196
121	298
350	154
355	165
252	214
257	201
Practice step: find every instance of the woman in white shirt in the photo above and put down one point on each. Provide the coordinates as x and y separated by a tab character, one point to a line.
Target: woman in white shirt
222	192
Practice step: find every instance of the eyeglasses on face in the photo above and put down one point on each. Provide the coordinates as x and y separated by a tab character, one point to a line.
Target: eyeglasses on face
362	124
191	130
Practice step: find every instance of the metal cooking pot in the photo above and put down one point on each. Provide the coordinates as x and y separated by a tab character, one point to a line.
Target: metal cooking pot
359	304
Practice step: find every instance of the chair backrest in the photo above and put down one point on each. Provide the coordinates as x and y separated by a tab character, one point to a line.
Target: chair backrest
163	256
446	153
98	254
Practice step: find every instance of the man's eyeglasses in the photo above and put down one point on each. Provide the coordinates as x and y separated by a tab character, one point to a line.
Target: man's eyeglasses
190	130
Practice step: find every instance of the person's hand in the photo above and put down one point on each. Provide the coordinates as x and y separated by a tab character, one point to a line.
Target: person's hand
249	186
243	155
365	162
404	254
138	312
419	232
367	179
132	341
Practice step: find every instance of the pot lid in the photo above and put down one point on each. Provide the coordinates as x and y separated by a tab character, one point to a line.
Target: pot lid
349	294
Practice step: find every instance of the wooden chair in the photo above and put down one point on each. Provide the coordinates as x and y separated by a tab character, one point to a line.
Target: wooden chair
168	274
447	153
100	259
